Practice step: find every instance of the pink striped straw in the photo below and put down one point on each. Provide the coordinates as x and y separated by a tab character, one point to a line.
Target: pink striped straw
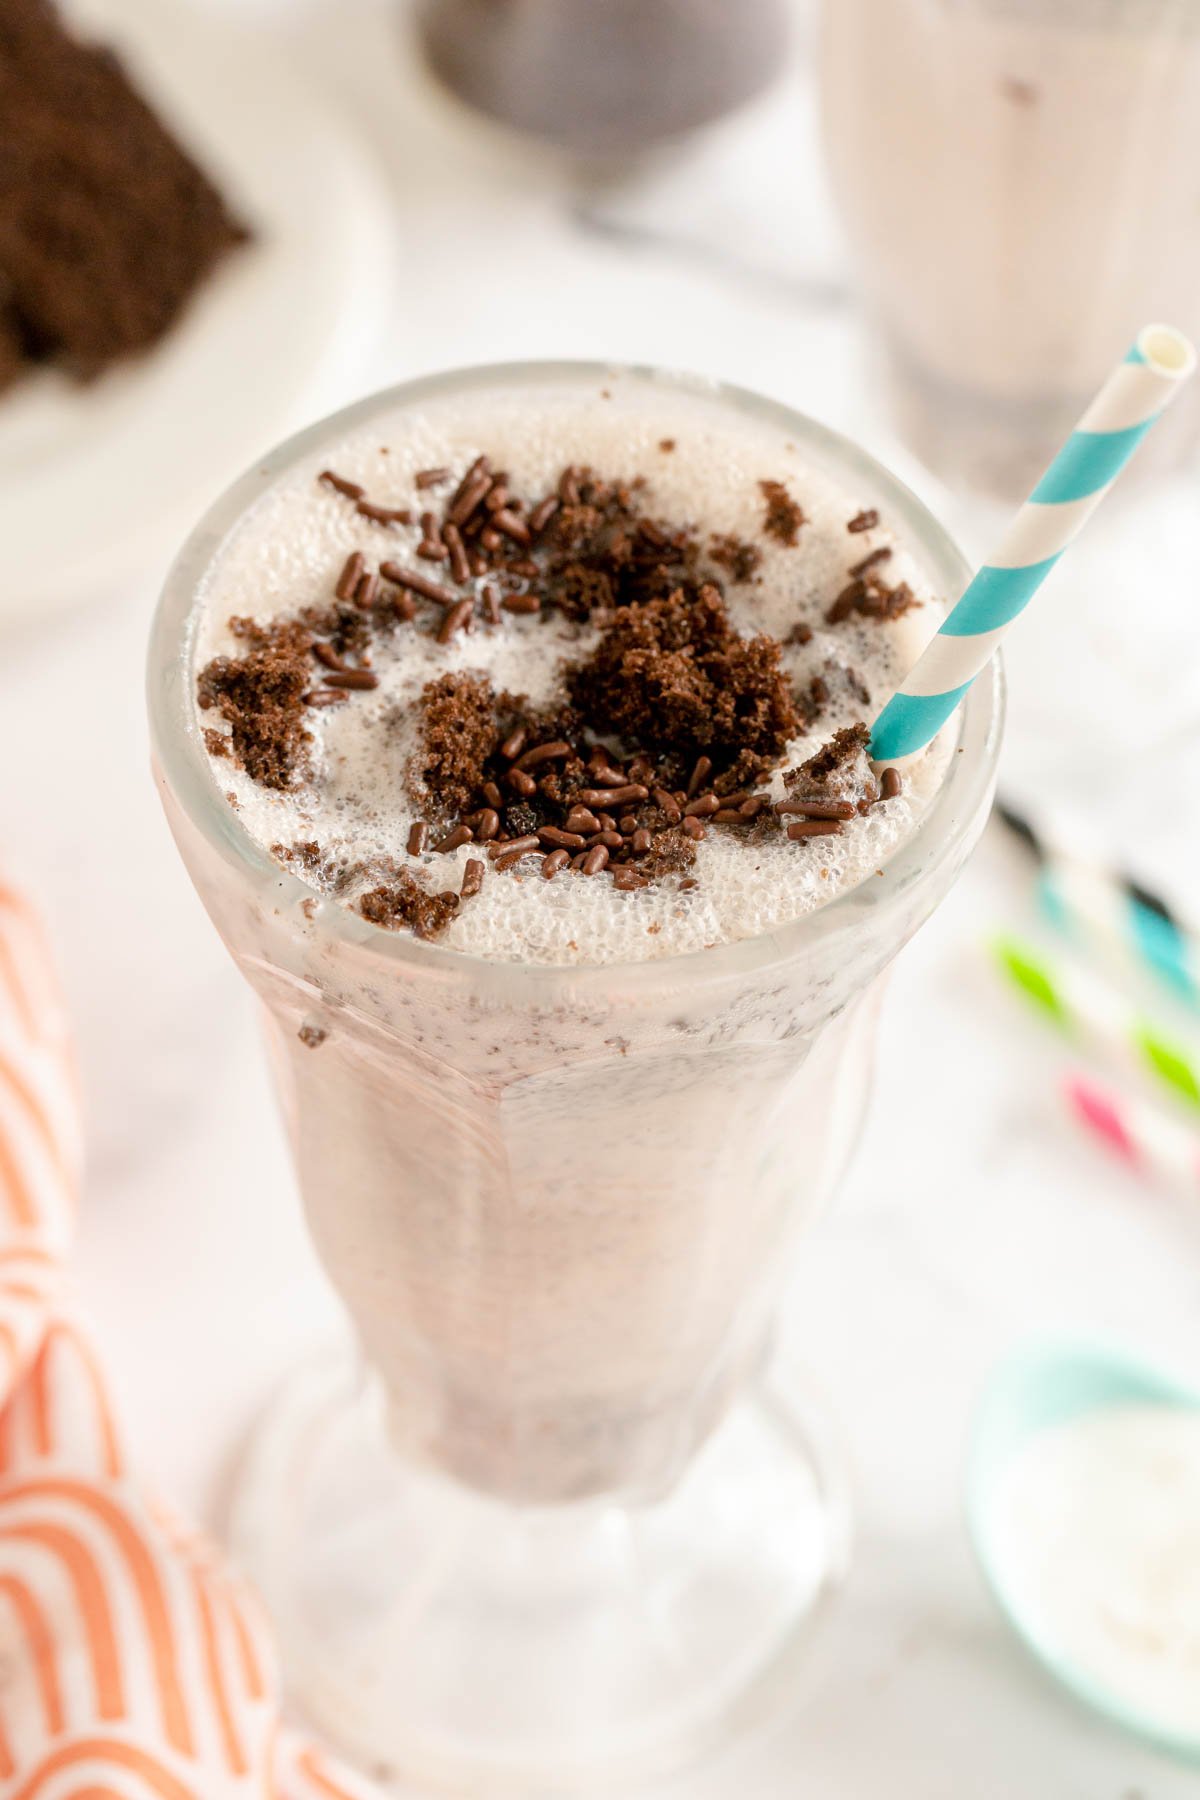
1141	1134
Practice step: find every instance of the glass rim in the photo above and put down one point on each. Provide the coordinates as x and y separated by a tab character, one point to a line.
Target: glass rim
178	749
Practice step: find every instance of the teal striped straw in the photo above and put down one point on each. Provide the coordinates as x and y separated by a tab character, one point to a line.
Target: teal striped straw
1109	432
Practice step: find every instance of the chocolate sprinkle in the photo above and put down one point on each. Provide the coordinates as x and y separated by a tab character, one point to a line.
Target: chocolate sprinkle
340	485
456	619
783	516
351	573
418	583
871	560
384	515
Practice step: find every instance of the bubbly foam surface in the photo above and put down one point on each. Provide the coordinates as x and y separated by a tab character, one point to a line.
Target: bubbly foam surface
287	553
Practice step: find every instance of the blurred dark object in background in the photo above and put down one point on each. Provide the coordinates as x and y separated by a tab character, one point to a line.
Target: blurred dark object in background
604	78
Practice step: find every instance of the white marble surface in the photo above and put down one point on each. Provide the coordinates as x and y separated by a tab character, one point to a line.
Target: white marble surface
972	1215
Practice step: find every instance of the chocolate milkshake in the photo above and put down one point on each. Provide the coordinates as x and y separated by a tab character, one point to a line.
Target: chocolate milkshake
521	684
511	726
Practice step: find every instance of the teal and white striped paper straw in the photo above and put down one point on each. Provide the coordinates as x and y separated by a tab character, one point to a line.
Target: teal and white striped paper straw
1073	486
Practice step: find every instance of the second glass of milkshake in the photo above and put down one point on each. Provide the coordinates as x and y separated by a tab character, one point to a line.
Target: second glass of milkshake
1056	145
510	726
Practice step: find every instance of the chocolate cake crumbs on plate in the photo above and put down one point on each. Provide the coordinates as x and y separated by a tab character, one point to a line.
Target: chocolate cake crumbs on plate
783	516
107	226
312	1036
673	720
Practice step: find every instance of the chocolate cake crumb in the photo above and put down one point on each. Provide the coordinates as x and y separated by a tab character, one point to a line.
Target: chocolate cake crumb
347	627
783	516
740	560
312	1036
309	859
402	903
216	743
274	634
261	697
458	733
857	686
674	675
745	771
579	591
800	634
671	853
871	598
666	445
866	520
841	769
598	532
813	701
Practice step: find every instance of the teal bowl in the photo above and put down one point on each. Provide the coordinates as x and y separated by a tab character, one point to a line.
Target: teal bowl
1045	1384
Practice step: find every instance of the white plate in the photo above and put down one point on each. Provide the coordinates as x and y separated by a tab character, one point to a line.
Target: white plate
97	482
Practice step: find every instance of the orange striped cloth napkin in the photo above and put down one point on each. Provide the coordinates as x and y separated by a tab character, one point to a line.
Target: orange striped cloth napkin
133	1664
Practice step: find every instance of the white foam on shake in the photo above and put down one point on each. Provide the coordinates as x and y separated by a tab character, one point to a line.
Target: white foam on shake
287	552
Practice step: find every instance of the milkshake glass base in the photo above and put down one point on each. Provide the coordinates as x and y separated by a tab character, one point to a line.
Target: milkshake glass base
436	1635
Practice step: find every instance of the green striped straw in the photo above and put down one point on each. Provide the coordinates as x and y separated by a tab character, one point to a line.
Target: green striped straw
1098	1021
1068	493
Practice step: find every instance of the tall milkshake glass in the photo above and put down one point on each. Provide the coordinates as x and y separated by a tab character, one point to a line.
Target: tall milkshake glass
1055	144
551	1526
